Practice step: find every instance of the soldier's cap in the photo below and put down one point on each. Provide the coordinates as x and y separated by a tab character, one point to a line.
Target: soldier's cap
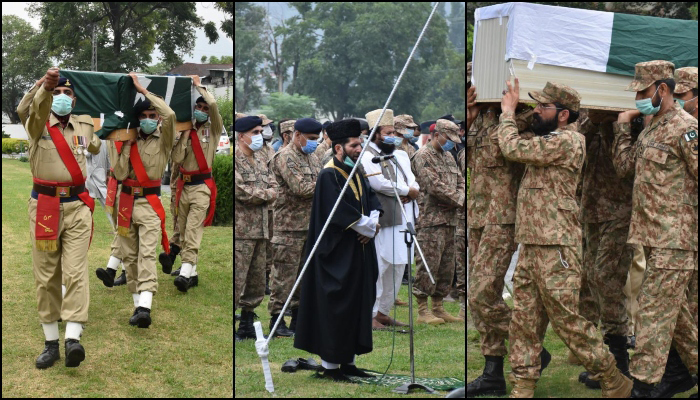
449	128
308	125
142	106
287	126
448	117
344	129
247	123
265	120
686	79
558	93
425	127
200	99
240	115
402	122
325	125
65	82
387	119
364	126
648	72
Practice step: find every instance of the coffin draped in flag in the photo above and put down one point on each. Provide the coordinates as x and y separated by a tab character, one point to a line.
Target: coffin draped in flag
110	99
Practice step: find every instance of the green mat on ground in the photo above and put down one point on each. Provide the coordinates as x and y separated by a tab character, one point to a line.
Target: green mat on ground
398	380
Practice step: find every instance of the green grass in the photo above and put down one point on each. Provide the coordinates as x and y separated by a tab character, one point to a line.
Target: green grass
187	351
439	352
558	380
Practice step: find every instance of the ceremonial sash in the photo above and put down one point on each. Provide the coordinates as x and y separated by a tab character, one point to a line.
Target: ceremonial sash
112	184
48	207
126	200
203	169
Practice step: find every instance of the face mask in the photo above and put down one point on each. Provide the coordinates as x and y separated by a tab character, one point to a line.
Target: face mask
256	143
200	116
364	141
398	141
276	146
348	161
448	146
148	125
389	140
414	139
309	147
408	134
62	104
267	132
646	107
682	102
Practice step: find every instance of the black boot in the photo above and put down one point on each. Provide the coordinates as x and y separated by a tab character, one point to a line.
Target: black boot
176	272
282	330
246	330
121	280
141	317
491	382
194	281
49	355
336	374
106	275
641	389
182	283
618	347
352	370
75	353
167	260
676	379
293	324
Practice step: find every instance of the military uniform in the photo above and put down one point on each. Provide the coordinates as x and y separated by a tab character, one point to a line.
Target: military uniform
547	278
401	123
295	173
196	190
255	189
460	240
141	221
664	161
441	183
60	217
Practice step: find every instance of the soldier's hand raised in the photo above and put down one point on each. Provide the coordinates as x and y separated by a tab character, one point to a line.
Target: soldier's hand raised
51	78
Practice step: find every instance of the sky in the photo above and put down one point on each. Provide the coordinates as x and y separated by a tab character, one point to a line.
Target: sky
206	11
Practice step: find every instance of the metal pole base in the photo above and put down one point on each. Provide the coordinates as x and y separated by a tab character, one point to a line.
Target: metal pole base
407	387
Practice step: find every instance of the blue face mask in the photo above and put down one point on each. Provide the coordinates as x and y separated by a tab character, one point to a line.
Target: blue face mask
200	116
309	147
409	135
256	142
349	162
682	102
398	141
276	146
148	125
646	107
448	145
389	140
62	104
414	139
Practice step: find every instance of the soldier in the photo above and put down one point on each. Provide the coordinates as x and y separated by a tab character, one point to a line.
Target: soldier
286	128
404	126
168	260
686	93
255	189
141	219
548	274
195	200
460	240
326	142
60	211
442	189
295	169
664	161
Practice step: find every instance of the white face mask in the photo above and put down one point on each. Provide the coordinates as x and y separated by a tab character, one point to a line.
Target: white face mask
267	132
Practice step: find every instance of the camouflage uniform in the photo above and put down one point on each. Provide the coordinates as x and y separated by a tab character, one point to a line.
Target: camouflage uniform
491	210
664	161
401	122
547	278
441	182
460	240
606	209
255	190
295	173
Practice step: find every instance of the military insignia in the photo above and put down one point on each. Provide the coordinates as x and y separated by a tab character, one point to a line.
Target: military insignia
692	135
67	82
62	192
137	191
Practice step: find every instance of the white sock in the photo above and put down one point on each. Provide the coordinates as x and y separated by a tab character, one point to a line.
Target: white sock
353	360
194	271
113	263
136	299
73	330
327	365
122	264
63	291
146	299
51	330
186	270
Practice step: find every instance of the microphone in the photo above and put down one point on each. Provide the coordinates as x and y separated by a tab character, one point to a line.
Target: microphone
379	159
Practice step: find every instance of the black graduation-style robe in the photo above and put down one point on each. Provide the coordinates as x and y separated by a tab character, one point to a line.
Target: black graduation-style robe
338	290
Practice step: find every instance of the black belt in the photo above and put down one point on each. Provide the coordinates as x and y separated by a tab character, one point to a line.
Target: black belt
138	191
195	177
59	191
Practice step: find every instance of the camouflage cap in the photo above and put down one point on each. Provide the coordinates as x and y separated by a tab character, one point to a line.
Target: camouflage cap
646	73
686	79
287	126
240	115
264	118
401	122
558	93
469	71
449	128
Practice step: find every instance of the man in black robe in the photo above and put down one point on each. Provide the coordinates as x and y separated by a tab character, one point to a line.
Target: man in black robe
339	286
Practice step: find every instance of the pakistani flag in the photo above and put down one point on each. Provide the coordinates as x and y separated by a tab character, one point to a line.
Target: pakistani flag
110	99
591	40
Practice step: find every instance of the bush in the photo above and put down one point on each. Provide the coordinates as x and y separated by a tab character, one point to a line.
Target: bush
222	170
10	146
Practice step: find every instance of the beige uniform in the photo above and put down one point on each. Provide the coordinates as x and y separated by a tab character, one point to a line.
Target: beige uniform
195	198
145	233
69	260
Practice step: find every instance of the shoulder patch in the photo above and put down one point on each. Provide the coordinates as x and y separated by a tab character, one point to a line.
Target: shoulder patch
690	136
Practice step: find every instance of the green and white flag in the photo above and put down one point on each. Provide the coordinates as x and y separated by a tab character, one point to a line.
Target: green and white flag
591	40
110	98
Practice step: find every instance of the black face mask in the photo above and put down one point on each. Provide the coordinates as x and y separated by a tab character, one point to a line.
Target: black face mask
543	127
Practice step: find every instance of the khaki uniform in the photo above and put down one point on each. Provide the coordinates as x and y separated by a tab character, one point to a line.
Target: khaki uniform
174	175
547	278
113	157
441	182
69	260
295	174
140	245
255	190
195	197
